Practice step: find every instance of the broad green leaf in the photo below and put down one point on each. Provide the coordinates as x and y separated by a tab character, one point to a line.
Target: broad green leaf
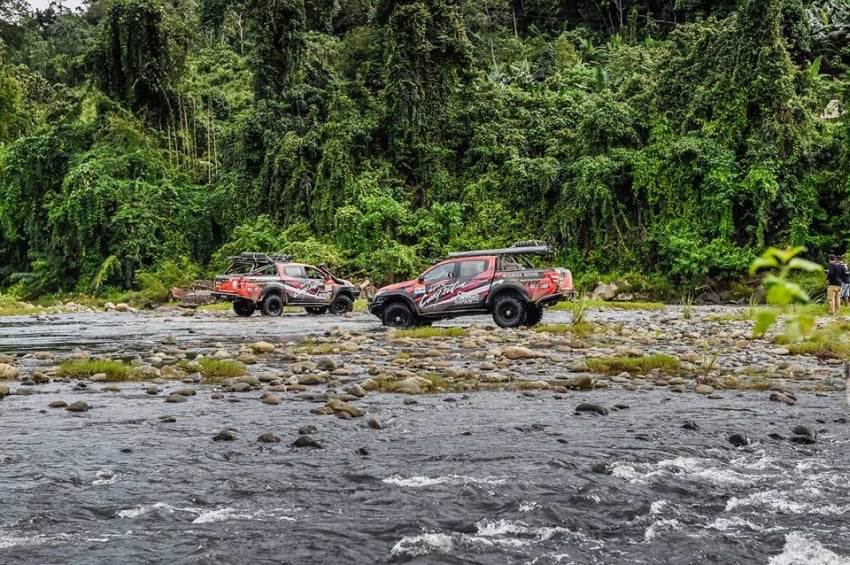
764	319
805	265
763	263
785	255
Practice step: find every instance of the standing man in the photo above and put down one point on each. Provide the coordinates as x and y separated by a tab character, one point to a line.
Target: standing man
845	283
834	279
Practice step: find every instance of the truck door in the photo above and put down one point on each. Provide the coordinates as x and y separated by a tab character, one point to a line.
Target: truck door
439	283
474	277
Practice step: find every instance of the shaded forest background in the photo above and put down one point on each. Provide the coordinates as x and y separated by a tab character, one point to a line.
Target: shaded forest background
676	139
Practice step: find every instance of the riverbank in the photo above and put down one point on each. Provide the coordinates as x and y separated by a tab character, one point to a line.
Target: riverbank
707	350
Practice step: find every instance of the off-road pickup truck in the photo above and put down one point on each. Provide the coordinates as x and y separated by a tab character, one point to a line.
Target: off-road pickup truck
501	282
270	282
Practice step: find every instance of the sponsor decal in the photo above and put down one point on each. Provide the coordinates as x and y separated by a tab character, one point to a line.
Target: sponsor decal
467	298
440	291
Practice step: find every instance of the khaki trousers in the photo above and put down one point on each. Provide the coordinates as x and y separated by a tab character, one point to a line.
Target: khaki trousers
833	298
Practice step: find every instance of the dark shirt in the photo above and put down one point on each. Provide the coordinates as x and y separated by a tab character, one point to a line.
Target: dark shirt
835	274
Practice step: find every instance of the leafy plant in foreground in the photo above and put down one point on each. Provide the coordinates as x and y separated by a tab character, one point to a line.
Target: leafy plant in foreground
782	293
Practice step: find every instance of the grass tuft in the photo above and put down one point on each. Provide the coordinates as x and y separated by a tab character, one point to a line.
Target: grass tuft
84	368
603	305
614	365
424	332
220	369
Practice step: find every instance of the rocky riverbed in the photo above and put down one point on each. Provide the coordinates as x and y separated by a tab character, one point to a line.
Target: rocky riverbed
323	358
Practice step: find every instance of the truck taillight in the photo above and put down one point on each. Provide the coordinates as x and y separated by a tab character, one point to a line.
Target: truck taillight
567	282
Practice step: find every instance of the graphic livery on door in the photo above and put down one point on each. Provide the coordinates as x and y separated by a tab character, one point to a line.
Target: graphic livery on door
455	285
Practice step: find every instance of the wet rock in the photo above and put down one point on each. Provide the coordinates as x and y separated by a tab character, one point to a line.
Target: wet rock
225	435
339	406
800	430
326	364
303	367
322	411
739	440
307	430
78	406
58	404
689	425
312	379
262	347
517	352
112	388
362	451
247	358
271	400
804	440
782	397
175	398
168	419
704	389
152	390
592	408
239	387
601	468
9	372
580	382
356	390
306	441
4	391
185	391
268	437
249	379
40	378
374	423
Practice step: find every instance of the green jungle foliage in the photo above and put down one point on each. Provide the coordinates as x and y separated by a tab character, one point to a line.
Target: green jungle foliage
672	138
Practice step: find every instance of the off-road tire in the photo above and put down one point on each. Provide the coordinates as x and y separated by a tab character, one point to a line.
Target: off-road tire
509	311
341	305
316	310
533	315
399	315
272	305
244	307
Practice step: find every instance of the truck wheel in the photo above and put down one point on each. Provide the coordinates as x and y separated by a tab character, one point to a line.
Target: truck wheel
244	307
398	315
316	310
509	311
533	315
341	305
272	305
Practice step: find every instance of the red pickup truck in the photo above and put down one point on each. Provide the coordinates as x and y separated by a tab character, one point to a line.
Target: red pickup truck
269	282
501	282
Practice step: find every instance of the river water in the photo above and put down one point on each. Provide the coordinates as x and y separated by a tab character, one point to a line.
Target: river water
490	477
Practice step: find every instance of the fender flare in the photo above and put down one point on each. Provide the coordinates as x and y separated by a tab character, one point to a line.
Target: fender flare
508	288
276	288
399	297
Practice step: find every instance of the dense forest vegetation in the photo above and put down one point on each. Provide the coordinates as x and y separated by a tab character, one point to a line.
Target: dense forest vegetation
673	138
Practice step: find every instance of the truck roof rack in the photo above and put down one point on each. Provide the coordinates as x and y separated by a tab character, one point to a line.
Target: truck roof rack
259	258
530	247
254	259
